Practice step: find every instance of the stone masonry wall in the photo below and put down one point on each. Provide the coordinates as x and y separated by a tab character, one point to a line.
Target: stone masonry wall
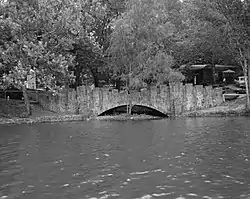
174	99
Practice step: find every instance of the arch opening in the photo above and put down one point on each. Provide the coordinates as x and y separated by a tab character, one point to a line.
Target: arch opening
136	110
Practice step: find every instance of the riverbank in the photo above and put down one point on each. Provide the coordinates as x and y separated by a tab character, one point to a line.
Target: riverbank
39	115
124	117
70	118
43	119
231	108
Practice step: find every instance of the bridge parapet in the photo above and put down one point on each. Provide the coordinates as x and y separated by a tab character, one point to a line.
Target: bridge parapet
174	99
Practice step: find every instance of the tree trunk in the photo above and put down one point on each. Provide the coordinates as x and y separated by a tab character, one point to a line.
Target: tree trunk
78	75
246	78
128	98
247	92
96	81
130	107
26	100
247	65
118	84
246	71
128	101
213	69
247	83
129	86
67	96
94	72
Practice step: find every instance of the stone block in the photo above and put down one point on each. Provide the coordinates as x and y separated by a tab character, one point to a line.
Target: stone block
153	96
105	100
100	103
163	100
178	98
124	97
145	97
96	101
188	96
208	97
217	96
199	97
72	102
135	97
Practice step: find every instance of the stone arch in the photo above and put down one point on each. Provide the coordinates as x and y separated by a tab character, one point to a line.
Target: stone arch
151	108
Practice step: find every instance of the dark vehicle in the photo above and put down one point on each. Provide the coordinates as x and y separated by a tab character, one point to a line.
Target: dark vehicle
231	96
242	91
240	82
227	90
233	89
11	93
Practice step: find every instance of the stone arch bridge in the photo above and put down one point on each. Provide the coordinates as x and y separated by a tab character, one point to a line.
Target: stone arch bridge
170	100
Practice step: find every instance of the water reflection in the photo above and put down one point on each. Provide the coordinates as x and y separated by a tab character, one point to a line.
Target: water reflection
188	158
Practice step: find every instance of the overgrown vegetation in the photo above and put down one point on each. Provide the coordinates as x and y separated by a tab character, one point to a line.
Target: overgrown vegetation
137	42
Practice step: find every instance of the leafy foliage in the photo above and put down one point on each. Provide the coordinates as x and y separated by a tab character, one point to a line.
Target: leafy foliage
208	32
139	44
142	42
89	53
38	40
38	35
219	30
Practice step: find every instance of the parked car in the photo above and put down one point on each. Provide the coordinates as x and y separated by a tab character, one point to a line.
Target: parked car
241	91
226	90
240	81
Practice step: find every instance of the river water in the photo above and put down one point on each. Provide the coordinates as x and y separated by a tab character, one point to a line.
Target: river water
189	158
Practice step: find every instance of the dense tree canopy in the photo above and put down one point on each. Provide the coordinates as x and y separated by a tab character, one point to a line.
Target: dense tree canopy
38	35
218	31
140	48
140	42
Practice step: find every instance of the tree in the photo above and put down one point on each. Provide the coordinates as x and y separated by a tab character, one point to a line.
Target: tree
42	33
140	42
88	57
104	12
90	53
139	46
236	25
227	31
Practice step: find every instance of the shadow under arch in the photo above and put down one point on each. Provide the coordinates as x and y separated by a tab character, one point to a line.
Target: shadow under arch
136	109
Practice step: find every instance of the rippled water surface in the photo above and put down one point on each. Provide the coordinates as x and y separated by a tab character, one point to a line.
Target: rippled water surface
189	158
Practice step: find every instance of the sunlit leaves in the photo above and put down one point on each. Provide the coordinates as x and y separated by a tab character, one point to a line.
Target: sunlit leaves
40	37
217	24
140	42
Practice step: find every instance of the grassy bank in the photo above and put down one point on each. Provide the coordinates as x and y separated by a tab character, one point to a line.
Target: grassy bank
230	108
12	108
13	112
43	119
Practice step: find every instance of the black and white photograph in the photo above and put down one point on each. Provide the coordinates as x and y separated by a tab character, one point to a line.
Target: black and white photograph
124	99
